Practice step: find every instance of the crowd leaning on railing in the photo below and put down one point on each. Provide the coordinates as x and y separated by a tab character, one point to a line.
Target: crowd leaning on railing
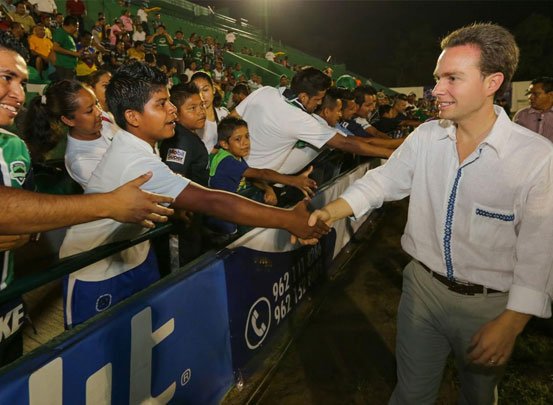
145	117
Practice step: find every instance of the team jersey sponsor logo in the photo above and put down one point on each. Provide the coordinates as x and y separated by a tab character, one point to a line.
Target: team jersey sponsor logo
176	155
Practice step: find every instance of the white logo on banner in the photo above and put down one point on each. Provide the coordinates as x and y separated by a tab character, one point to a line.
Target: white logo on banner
49	378
258	323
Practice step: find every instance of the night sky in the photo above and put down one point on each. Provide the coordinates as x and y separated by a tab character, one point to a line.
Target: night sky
366	34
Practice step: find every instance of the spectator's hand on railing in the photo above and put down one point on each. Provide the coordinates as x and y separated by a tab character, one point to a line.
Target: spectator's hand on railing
10	242
304	231
129	203
306	185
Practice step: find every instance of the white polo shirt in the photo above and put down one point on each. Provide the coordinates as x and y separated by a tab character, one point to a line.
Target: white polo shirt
127	158
275	126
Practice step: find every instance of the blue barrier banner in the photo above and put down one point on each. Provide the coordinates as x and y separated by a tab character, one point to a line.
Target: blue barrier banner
264	288
169	344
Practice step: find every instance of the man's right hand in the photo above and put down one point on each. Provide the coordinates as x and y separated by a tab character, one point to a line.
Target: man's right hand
129	203
317	217
303	229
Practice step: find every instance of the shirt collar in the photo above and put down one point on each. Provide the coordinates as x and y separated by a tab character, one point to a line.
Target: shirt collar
496	139
534	111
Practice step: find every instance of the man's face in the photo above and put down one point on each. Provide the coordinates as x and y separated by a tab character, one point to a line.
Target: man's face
400	105
191	114
71	29
332	115
237	98
157	121
461	89
13	77
20	9
283	81
18	31
238	143
369	104
539	99
39	31
349	110
311	102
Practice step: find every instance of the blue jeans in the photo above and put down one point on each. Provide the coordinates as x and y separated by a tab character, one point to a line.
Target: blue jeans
432	322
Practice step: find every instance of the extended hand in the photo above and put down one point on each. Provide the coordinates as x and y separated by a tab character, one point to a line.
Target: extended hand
493	344
270	198
301	229
10	242
306	185
129	203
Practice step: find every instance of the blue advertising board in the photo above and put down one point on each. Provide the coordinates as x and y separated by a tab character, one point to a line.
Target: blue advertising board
168	344
265	287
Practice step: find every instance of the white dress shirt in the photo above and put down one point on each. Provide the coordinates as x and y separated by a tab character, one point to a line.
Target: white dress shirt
488	220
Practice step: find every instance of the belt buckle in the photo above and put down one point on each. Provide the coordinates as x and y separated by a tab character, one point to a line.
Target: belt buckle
460	289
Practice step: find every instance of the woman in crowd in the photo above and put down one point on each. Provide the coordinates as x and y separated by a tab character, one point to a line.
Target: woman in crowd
68	107
213	114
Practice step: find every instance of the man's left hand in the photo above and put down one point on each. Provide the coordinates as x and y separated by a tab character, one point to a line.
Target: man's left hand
493	343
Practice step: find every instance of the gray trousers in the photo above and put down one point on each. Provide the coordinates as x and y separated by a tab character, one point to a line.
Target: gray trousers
433	321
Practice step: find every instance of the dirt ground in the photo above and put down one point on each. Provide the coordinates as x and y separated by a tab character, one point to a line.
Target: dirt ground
345	354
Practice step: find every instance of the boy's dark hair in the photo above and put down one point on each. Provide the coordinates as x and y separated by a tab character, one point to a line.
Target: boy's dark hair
131	87
546	82
311	81
498	49
330	100
9	43
241	88
182	92
227	126
70	20
149	58
360	92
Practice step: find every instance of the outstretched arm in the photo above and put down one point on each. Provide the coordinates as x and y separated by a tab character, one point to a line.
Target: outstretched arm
239	210
352	145
29	212
302	181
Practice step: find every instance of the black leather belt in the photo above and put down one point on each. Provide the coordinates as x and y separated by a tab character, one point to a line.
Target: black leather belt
460	288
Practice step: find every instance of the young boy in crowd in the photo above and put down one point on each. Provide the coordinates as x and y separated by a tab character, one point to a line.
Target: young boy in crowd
186	155
139	100
229	171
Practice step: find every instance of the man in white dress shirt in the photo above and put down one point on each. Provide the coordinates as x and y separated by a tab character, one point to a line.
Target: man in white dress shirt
479	229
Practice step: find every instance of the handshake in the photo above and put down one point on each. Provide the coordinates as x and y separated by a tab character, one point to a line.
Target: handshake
308	227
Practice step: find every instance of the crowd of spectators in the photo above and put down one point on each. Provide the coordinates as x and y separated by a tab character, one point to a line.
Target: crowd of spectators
231	132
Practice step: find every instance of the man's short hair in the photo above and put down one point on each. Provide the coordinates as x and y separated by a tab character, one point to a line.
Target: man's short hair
330	100
545	81
227	126
70	20
311	81
360	92
182	92
8	42
241	88
131	87
498	49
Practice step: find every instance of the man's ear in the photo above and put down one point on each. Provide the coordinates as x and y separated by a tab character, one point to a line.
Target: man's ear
494	82
133	118
67	121
303	98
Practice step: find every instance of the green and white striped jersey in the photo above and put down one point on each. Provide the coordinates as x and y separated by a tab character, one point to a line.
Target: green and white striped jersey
15	171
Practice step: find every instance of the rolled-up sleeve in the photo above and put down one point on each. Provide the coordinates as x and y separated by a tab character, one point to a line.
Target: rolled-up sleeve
389	182
532	286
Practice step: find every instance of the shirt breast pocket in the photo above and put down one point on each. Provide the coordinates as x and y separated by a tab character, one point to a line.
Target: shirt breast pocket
492	228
